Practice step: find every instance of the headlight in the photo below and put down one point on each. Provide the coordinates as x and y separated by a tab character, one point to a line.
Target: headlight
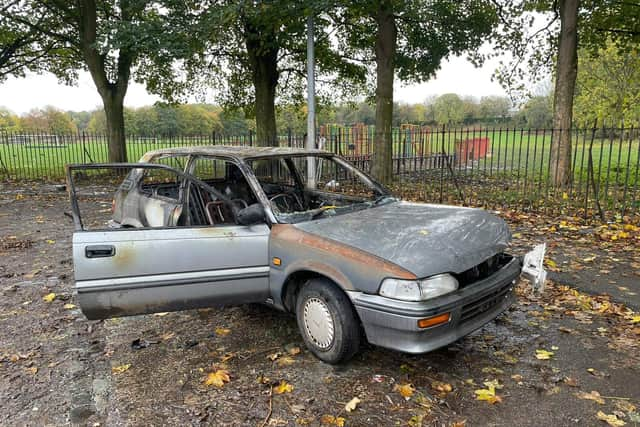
418	290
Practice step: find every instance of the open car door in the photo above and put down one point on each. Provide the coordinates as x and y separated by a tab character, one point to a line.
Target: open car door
136	249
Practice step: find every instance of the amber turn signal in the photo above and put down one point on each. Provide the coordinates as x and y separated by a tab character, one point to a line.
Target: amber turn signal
276	261
435	320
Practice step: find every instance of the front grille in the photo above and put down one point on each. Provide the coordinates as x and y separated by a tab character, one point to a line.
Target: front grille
483	270
484	304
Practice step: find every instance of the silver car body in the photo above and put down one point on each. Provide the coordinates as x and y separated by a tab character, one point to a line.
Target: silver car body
147	267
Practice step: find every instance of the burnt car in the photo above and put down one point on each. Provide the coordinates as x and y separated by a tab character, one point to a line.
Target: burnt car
303	231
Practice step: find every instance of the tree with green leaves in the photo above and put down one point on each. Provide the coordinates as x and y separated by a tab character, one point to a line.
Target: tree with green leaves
255	52
449	109
9	122
48	120
608	86
551	48
109	39
408	40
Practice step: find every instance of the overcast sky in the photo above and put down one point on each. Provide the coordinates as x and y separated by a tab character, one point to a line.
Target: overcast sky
457	75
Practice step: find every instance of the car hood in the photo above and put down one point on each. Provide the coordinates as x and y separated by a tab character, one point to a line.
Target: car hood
424	239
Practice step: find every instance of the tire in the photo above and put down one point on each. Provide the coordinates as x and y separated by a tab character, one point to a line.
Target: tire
327	321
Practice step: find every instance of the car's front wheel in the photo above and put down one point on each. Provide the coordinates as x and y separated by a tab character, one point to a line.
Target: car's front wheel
327	321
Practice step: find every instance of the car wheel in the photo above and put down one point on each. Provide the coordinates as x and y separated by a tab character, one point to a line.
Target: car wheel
327	321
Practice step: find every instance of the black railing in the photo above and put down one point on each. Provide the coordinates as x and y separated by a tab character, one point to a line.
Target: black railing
496	168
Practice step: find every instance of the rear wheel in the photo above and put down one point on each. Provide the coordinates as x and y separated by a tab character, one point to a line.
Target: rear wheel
327	321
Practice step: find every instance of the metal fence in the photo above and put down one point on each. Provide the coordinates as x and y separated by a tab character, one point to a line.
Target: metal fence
497	168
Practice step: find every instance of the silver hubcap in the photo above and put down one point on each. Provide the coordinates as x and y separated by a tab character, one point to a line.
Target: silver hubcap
318	322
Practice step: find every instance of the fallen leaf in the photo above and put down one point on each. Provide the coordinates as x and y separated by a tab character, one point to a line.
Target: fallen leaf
405	390
283	387
488	395
442	387
217	378
625	406
120	369
51	242
286	361
351	406
612	420
594	395
542	354
635	319
262	379
274	356
222	332
294	350
571	382
69	306
331	420
49	297
33	370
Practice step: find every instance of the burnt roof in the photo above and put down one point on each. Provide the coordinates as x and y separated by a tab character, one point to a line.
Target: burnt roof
241	152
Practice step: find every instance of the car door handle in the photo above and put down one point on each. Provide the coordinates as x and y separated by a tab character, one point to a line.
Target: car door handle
100	251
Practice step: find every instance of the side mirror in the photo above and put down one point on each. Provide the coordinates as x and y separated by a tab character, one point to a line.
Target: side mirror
250	215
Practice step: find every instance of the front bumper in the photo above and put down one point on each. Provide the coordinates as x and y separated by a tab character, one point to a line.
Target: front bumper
394	324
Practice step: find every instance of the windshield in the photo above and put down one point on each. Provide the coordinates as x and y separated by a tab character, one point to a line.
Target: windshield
301	188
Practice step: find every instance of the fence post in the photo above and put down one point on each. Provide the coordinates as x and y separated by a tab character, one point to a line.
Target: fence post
442	167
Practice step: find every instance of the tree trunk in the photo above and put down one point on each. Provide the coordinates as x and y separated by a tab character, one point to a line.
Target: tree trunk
263	59
382	167
112	93
114	111
566	72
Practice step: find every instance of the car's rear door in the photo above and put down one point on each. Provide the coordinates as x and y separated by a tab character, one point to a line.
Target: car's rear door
125	271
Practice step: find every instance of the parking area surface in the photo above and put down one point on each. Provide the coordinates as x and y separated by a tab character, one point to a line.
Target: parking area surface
562	358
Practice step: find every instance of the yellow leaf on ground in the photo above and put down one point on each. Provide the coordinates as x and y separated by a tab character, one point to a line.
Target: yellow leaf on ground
49	297
635	319
222	332
405	390
488	394
217	378
594	395
612	420
120	369
542	354
351	406
51	242
331	420
69	306
283	387
33	370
